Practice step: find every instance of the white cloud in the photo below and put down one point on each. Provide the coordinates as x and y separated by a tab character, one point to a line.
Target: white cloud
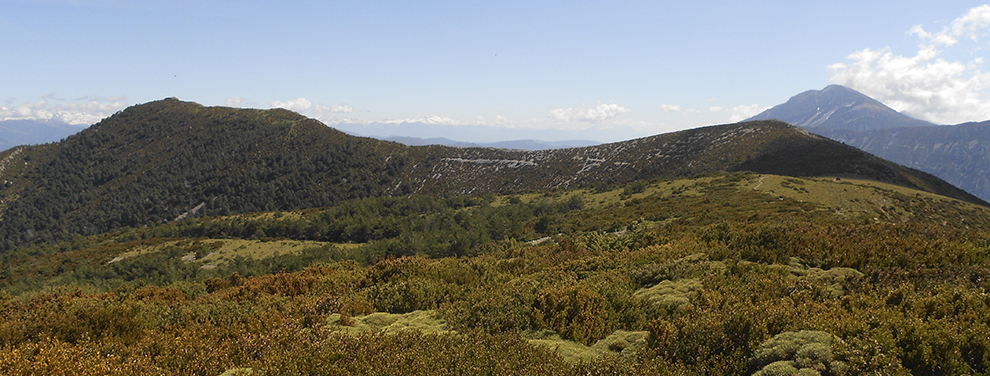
745	111
926	85
297	105
86	111
670	107
235	102
336	108
341	108
333	120
436	120
972	25
498	121
715	108
600	112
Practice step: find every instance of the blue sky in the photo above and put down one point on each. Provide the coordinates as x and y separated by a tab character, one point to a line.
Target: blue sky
654	67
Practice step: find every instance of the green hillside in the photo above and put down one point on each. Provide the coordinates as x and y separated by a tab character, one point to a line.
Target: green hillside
166	160
725	274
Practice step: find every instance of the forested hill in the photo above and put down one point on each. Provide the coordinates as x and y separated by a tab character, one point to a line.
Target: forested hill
157	161
168	159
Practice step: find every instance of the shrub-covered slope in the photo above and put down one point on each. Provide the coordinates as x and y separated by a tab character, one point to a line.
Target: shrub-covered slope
723	275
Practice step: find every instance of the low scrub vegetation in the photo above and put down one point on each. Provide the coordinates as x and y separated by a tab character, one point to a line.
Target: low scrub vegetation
727	280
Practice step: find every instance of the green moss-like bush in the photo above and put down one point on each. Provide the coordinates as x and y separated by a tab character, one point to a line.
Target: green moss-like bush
671	294
805	352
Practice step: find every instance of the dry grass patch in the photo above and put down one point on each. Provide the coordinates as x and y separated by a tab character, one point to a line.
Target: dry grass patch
217	251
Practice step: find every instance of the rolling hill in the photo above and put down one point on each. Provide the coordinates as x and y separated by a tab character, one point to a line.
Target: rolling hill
167	160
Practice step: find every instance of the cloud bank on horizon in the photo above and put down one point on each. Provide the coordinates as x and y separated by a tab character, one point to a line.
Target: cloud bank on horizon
81	111
927	85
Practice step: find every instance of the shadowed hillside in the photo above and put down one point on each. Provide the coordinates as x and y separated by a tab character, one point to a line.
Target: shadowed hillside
960	154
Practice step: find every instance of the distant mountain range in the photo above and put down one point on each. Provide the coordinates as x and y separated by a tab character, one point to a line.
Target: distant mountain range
156	162
959	154
517	144
483	135
33	132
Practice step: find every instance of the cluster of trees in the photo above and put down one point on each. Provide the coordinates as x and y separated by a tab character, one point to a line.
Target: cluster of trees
387	227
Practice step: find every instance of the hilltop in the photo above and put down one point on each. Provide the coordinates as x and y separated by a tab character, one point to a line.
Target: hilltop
771	147
166	160
155	162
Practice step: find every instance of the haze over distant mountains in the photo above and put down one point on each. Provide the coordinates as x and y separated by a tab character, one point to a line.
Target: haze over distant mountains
485	135
959	154
33	132
516	144
414	133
